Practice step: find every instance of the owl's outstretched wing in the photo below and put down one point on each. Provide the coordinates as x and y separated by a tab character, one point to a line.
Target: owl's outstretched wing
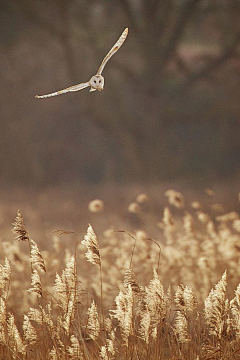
114	49
71	88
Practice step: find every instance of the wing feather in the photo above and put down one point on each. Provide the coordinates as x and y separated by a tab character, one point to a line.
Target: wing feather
69	89
114	49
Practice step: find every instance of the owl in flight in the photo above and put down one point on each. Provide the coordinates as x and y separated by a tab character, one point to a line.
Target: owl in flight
97	81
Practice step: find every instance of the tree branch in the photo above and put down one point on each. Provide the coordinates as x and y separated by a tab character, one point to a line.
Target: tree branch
182	65
66	39
131	17
28	11
166	9
213	65
128	73
178	29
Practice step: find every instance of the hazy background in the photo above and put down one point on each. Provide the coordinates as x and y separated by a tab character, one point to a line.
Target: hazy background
170	108
167	118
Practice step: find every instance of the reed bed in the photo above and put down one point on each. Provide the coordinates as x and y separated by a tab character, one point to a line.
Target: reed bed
124	295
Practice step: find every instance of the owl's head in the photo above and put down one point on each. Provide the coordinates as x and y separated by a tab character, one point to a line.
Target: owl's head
97	82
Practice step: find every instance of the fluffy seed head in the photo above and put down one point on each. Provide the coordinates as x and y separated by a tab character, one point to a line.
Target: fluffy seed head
175	198
142	198
93	325
134	208
90	241
19	228
96	206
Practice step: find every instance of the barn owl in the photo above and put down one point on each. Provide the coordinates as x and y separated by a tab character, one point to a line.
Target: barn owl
97	81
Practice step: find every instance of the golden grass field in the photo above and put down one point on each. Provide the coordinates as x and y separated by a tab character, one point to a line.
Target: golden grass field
159	282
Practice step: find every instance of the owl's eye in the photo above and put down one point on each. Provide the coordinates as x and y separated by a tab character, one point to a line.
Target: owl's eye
95	81
100	81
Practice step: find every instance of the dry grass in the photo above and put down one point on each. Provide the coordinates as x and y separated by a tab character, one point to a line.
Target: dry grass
118	295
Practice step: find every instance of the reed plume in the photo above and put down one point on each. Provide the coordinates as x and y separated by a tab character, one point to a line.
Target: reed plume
91	243
74	349
181	327
216	308
93	325
14	338
36	258
36	284
124	312
5	275
185	298
19	228
29	332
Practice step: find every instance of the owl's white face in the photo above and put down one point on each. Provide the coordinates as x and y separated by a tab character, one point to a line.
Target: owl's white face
97	82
